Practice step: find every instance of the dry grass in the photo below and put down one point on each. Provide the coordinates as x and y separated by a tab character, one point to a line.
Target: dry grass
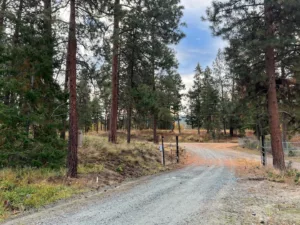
129	160
252	171
296	138
246	150
186	136
294	158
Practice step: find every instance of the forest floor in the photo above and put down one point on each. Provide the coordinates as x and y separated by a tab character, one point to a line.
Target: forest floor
217	185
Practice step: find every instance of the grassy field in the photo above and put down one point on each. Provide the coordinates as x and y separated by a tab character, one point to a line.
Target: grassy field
101	164
185	136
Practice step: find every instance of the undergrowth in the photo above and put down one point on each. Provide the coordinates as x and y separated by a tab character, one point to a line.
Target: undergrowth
290	175
23	189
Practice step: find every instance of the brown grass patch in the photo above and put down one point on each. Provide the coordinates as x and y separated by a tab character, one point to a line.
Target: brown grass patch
186	136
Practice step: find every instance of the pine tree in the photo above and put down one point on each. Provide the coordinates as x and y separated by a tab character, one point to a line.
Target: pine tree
210	101
194	95
71	70
115	65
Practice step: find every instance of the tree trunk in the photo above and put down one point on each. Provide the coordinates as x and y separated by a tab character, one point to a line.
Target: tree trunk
276	142
224	126
231	131
114	101
72	160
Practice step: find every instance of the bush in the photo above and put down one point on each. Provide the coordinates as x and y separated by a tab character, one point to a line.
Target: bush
38	146
28	152
36	154
291	153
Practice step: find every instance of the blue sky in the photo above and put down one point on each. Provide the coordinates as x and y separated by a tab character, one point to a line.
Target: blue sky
199	45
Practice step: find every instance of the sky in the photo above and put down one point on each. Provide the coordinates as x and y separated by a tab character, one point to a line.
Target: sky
199	45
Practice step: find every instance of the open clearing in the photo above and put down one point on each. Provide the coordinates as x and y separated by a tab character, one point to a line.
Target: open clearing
212	189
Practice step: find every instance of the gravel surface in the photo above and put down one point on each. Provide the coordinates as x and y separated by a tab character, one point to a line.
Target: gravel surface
193	195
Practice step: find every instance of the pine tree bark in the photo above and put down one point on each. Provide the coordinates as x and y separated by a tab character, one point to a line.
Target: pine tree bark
114	102
72	160
276	142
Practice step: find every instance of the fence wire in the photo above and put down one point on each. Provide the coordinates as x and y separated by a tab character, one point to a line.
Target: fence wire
289	148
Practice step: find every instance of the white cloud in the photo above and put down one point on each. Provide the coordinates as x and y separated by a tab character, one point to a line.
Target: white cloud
198	51
220	43
196	4
187	79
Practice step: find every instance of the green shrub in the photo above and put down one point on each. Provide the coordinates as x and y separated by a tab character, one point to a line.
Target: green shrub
291	153
119	169
40	147
33	153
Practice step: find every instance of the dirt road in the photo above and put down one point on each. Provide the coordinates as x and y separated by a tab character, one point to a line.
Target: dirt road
206	192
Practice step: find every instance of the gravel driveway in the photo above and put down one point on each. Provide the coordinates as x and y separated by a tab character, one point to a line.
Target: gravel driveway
196	194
